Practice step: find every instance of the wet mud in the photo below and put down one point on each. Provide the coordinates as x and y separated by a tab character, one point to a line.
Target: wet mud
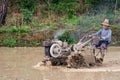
17	64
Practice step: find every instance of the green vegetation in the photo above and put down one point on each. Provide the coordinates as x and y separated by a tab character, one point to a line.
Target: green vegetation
27	7
15	30
11	42
64	7
67	37
8	42
25	18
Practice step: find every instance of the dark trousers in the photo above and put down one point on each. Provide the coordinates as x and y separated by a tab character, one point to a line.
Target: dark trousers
102	42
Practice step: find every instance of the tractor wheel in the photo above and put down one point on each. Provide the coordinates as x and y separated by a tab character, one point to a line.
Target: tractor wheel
55	50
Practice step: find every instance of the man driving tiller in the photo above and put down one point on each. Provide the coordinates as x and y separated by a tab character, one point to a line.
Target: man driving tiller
105	36
52	50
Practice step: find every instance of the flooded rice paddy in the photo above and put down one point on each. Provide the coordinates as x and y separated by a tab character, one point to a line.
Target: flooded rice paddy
17	64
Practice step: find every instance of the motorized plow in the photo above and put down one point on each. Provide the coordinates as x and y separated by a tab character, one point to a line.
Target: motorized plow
77	55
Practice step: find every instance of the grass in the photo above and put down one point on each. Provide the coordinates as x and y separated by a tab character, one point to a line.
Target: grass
87	23
10	42
16	30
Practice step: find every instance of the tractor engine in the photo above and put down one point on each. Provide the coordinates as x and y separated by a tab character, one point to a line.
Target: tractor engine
57	51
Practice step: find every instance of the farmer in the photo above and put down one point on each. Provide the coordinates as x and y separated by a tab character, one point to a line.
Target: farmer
105	34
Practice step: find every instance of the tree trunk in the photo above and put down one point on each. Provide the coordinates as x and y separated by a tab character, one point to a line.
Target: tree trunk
3	12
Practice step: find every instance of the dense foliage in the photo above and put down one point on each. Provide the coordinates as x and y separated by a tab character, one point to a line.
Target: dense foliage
27	7
29	22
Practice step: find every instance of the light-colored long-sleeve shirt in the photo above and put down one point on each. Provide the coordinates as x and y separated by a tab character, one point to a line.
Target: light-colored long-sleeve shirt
107	33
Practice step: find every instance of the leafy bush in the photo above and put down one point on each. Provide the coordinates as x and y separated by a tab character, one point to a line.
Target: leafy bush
52	26
27	4
66	36
15	30
27	7
115	34
2	31
71	22
10	42
92	2
64	7
27	15
23	29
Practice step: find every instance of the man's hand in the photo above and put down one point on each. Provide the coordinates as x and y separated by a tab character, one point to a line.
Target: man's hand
90	36
103	38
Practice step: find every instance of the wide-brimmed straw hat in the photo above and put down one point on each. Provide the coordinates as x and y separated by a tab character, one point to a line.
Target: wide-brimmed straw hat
106	22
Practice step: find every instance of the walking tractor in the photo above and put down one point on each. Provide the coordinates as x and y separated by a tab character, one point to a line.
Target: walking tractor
84	53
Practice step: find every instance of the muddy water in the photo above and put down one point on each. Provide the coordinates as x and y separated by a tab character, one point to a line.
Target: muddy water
16	64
